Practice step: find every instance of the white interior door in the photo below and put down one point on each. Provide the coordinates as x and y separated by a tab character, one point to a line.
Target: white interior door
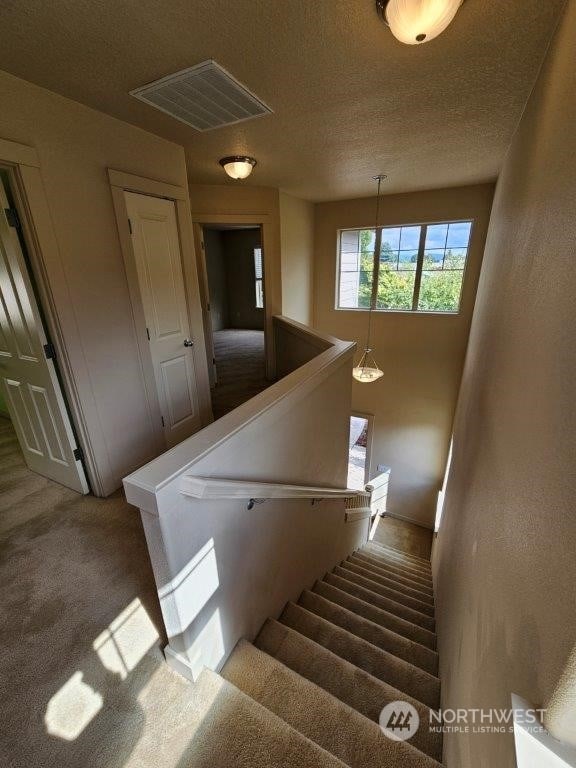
159	266
27	377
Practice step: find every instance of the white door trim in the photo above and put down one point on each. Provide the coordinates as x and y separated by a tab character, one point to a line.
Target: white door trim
121	182
23	166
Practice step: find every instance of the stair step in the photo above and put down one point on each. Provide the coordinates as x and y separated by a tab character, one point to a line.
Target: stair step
333	588
388	668
391	582
389	563
370	596
382	638
380	578
320	716
385	558
230	730
418	606
361	560
401	552
398	557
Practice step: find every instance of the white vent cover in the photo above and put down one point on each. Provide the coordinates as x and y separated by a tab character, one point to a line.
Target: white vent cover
204	96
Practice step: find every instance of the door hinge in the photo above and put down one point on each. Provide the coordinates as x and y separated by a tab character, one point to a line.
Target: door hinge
49	351
78	454
148	333
162	417
213	361
202	245
12	217
208	307
130	227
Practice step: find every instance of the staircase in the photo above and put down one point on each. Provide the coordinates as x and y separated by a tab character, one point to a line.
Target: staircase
309	691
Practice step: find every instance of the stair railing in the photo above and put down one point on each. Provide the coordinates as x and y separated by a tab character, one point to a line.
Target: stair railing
255	492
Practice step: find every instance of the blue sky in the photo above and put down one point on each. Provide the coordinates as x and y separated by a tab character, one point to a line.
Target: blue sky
454	235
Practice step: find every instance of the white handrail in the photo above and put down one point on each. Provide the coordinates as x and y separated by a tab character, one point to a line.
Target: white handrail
222	488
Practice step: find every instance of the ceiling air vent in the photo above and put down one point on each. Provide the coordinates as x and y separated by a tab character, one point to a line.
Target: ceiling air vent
204	96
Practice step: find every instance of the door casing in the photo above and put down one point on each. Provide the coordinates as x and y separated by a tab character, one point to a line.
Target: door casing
121	182
261	220
22	164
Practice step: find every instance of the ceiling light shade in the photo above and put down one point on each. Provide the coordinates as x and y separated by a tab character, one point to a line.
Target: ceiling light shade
238	166
417	21
367	369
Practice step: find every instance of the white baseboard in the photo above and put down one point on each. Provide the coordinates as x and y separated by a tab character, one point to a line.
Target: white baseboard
180	664
409	520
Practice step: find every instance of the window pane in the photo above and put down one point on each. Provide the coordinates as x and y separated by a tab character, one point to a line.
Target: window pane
387	253
459	234
436	236
410	238
407	260
434	258
395	289
440	291
258	263
455	258
391	237
356	264
259	295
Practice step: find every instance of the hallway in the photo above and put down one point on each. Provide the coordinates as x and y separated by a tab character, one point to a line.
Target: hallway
240	363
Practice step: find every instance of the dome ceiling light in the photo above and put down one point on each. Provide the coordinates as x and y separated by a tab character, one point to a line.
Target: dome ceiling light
238	166
417	21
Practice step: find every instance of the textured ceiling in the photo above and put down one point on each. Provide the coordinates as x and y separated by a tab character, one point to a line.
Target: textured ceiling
349	101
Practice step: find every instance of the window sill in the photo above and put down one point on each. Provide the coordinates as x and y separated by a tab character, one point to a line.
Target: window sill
412	312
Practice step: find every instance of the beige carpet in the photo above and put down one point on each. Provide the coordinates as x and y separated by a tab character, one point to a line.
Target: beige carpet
76	693
407	537
241	368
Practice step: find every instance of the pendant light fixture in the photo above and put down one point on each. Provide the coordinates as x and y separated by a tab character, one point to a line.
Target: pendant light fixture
417	21
367	369
238	166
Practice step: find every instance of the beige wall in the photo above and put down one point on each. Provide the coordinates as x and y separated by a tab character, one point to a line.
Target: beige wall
505	556
76	145
421	355
228	567
297	237
216	273
238	246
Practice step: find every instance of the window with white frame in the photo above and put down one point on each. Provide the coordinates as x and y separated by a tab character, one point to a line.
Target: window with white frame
415	268
259	279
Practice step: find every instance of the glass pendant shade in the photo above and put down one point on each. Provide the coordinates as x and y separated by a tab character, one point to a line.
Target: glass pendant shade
238	167
367	369
419	21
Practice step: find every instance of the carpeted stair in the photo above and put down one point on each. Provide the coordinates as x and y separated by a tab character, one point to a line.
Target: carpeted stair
310	689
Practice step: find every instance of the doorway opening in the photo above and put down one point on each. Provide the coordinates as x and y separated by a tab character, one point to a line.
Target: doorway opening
36	430
235	318
359	451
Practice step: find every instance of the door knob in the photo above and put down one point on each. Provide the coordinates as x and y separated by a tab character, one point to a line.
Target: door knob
188	343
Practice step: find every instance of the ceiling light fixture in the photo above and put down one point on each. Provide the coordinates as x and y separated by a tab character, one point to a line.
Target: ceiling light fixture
367	369
417	21
238	166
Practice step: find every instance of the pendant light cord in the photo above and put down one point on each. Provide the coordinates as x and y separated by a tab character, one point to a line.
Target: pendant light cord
375	272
